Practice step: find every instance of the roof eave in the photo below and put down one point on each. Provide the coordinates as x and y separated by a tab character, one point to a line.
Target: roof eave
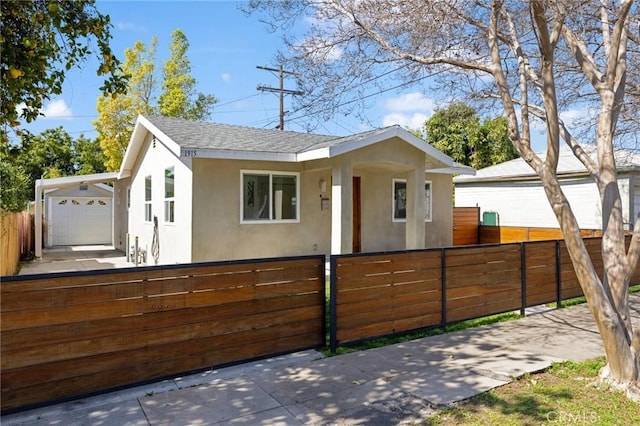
61	182
388	133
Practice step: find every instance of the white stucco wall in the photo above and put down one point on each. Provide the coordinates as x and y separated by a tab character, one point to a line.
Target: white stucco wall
174	238
218	233
120	213
439	232
525	203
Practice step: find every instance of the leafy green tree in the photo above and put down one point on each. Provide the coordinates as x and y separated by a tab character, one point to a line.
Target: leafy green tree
46	155
88	157
14	182
179	98
117	115
42	39
458	132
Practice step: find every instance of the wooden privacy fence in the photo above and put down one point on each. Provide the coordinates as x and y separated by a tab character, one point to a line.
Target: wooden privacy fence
512	234
17	240
373	295
466	226
70	334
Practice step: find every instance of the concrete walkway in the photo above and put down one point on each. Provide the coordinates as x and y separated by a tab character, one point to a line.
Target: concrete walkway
76	258
396	384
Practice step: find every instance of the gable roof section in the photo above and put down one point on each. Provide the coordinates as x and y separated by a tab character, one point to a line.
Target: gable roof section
67	181
568	164
224	141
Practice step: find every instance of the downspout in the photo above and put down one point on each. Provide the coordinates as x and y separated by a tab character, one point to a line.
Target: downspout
38	218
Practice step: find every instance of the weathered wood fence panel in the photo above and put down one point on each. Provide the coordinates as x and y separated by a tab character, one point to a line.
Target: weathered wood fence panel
466	225
482	281
65	335
387	293
541	272
454	284
512	234
17	240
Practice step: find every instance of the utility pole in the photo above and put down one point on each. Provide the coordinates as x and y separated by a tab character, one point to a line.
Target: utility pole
280	90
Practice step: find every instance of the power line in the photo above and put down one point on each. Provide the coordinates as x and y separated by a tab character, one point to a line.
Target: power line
371	94
280	90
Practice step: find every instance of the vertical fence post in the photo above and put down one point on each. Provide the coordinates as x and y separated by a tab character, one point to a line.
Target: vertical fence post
523	277
558	277
127	247
135	251
333	294
443	263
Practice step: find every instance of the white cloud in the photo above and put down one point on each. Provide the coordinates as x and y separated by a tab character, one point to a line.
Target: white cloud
574	117
57	109
128	26
226	77
410	121
414	101
409	110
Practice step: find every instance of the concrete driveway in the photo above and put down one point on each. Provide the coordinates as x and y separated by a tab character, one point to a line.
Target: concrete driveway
76	258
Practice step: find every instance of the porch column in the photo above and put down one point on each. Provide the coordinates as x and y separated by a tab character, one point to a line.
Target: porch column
341	209
38	218
414	238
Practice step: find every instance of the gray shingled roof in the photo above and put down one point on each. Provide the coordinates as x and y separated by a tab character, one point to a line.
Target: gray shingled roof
200	135
567	164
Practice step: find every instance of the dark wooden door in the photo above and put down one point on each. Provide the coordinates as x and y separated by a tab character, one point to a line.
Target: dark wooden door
356	215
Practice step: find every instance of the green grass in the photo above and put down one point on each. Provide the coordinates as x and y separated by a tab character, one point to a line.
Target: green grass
405	337
566	393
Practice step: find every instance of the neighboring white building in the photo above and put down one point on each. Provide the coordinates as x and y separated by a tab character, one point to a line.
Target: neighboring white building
514	191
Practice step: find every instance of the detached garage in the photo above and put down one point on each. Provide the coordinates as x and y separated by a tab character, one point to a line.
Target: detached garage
79	215
76	210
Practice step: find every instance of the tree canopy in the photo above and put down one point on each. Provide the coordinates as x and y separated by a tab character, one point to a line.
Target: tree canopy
459	132
52	153
534	60
177	96
40	40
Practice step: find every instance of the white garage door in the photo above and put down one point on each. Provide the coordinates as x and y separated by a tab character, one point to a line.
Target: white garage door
78	221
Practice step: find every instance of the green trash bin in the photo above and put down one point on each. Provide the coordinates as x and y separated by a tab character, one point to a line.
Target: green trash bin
490	219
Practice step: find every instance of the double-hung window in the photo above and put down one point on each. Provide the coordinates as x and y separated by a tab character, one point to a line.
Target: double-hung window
169	195
400	200
147	199
269	197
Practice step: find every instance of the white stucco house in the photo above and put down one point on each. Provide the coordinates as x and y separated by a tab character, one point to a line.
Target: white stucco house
515	193
194	191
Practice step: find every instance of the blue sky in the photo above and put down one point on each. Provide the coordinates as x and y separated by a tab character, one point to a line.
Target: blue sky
226	45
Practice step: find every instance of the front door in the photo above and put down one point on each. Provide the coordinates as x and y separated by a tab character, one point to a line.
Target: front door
356	248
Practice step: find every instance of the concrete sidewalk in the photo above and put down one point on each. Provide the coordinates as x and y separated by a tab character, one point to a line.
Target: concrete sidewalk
396	384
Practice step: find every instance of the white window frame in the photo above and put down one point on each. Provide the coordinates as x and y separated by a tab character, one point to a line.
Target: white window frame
428	213
148	204
270	174
169	202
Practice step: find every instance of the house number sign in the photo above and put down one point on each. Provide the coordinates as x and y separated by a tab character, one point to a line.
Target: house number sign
189	153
